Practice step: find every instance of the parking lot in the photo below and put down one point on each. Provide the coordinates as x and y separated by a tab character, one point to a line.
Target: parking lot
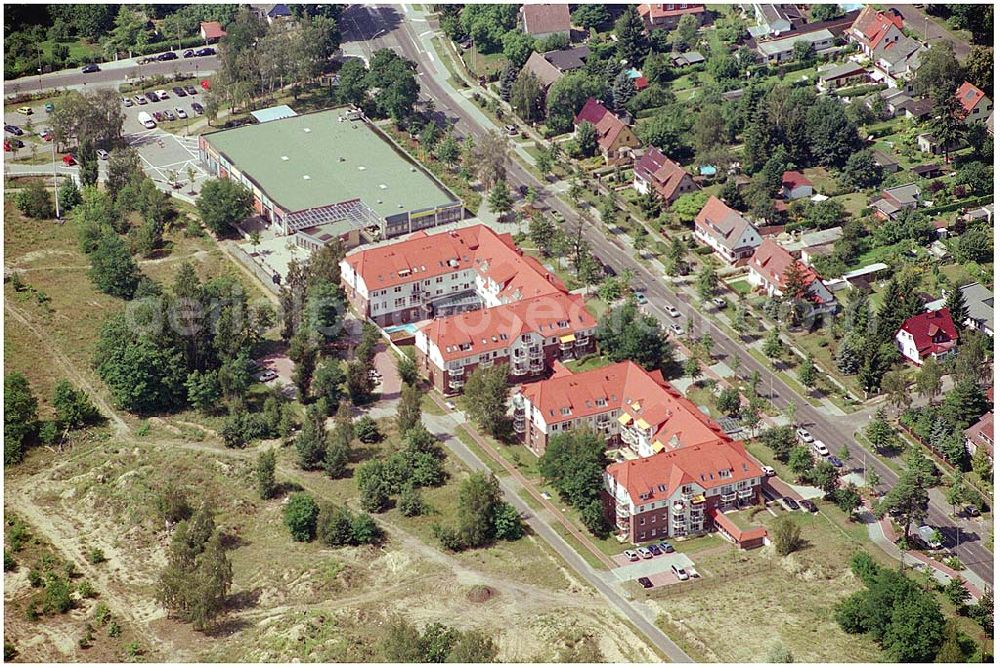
657	568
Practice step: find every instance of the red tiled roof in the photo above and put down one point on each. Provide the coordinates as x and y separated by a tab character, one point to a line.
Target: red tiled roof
932	331
792	179
423	256
212	30
659	10
629	388
722	222
542	19
874	24
608	125
738	534
772	261
981	433
702	465
477	332
969	96
664	174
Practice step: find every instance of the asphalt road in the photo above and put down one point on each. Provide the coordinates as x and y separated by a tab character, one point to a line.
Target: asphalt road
385	28
916	20
111	74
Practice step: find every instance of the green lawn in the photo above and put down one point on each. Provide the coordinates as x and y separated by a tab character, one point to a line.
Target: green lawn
703	396
587	363
740	287
483	65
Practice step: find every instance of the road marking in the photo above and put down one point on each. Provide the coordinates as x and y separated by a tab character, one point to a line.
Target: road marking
425	33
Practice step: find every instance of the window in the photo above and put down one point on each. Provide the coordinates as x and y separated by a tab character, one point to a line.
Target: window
642	521
664	517
439	279
652	520
652	534
642	536
398	288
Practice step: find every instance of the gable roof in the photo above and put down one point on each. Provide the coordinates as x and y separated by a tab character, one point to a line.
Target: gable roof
544	19
793	179
932	331
652	11
981	433
725	225
707	466
908	193
662	173
608	125
772	261
969	96
567	60
979	301
546	72
212	30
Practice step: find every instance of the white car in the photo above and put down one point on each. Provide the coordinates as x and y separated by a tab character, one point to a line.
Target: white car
180	112
644	553
768	471
140	99
266	375
719	301
146	120
804	435
676	330
162	94
102	154
127	101
820	448
672	311
679	571
631	555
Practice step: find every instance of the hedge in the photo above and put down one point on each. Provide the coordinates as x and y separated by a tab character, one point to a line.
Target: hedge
961	204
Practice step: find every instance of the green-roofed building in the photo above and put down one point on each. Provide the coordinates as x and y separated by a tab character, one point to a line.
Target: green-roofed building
330	170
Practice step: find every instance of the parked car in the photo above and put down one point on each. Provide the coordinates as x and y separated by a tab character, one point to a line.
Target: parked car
197	108
808	506
162	94
102	154
265	375
127	101
666	547
49	107
27	111
152	97
929	536
640	297
69	160
14	130
768	471
189	53
645	583
169	55
207	51
158	115
169	115
180	112
679	571
512	130
90	68
46	134
788	503
719	301
970	511
644	553
178	91
146	120
676	330
12	144
140	99
836	461
804	435
655	549
190	90
631	555
820	448
672	311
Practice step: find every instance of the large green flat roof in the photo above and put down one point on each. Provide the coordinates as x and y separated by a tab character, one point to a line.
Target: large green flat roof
343	160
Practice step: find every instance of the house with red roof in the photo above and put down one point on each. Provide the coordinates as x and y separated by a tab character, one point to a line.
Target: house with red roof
879	34
542	21
211	31
666	16
615	138
770	267
656	172
795	185
528	335
629	406
980	436
928	334
682	492
976	106
732	236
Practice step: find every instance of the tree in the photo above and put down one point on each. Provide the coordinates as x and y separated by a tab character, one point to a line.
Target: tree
574	463
946	122
395	82
786	536
507	524
928	379
586	139
527	97
707	283
631	34
622	91
35	201
773	346
879	432
491	155
832	136
908	498
894	386
408	410
300	515
939	73
478	499
728	401
20	416
223	203
265	474
542	232
87	159
688	206
955	303
818	13
500	200
486	398
625	334
373	486
861	171
824	475
847	498
965	403
807	372
780	440
112	268
591	16
979	68
310	444
800	460
778	653
367	431
73	407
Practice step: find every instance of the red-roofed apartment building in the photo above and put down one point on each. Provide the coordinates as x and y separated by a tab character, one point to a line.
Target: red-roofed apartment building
682	492
975	105
768	268
543	20
666	16
614	137
655	171
211	31
623	402
980	436
731	236
931	333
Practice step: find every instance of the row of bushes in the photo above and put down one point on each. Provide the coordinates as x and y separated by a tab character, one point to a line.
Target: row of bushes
961	204
862	89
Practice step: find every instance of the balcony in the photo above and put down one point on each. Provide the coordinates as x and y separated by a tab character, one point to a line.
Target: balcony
629	436
565	346
456	383
622	523
519	424
537	366
728	497
517	353
535	352
745	493
518	370
580	343
456	371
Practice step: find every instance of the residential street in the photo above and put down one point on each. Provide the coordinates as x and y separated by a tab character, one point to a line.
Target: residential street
916	20
111	74
386	29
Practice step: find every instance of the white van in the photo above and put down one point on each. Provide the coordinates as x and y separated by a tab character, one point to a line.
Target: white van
820	448
146	120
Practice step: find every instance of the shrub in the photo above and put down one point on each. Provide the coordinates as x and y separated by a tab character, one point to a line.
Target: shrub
300	517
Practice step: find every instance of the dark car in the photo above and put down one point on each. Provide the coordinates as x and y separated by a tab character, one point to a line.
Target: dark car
169	55
197	108
158	116
90	68
12	144
645	582
179	92
970	511
835	461
207	51
190	90
14	130
152	97
189	53
655	549
788	503
808	506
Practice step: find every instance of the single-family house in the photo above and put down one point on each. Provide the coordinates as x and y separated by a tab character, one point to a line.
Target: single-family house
928	143
211	31
894	200
980	436
879	34
928	171
272	12
813	244
795	185
551	66
917	109
685	59
774	19
770	267
976	106
931	333
666	16
541	21
979	302
657	173
839	76
982	214
782	50
732	236
888	163
615	138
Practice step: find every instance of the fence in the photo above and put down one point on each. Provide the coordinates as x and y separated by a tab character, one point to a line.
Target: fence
244	258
